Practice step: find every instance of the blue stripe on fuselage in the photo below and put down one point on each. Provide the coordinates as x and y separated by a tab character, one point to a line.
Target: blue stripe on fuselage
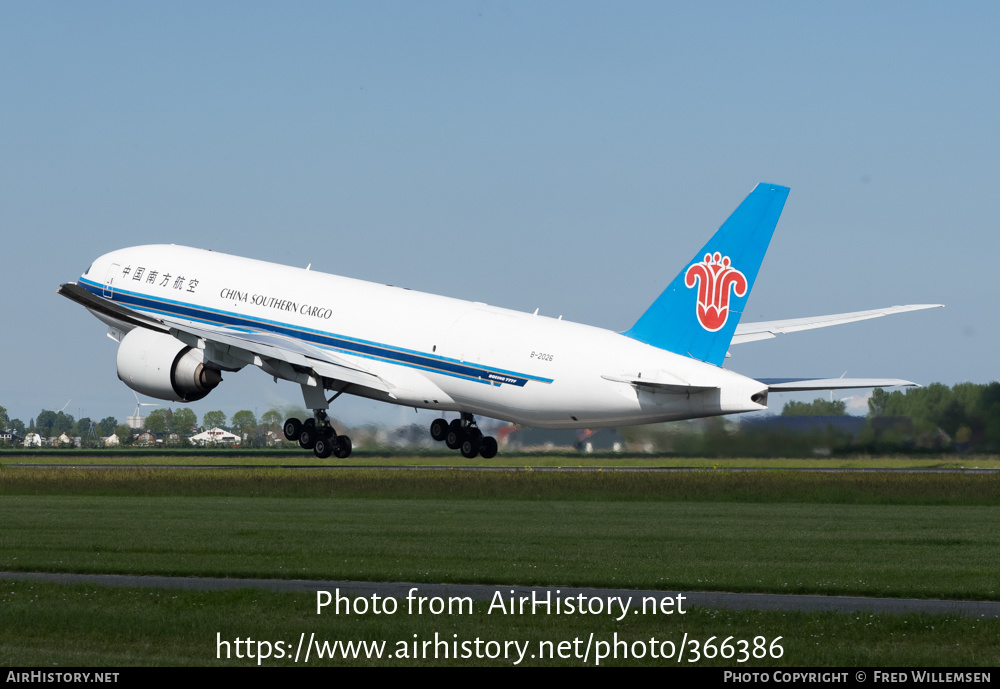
347	345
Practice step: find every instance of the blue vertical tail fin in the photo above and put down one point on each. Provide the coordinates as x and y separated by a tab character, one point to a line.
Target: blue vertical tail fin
697	314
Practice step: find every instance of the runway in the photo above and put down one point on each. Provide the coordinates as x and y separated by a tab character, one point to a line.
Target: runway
519	468
701	599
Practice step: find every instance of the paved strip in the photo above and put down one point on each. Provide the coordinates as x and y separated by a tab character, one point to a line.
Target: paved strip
727	601
445	467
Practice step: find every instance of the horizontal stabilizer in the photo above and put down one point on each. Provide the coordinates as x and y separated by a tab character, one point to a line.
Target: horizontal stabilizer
802	384
658	386
762	330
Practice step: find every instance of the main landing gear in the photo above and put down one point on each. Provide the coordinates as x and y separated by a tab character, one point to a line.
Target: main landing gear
463	434
318	435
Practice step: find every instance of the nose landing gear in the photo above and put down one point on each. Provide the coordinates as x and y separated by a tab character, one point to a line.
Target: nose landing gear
463	435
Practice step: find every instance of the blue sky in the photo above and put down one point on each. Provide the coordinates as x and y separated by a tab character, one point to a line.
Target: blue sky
570	156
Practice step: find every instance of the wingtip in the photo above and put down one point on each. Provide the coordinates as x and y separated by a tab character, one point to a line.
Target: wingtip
771	186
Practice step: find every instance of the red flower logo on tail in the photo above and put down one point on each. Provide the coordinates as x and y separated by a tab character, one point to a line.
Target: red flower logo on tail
715	277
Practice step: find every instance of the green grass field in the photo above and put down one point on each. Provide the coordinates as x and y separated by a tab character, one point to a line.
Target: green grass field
907	535
895	550
453	459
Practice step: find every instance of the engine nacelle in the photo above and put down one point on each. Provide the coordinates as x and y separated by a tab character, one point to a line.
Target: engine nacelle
161	366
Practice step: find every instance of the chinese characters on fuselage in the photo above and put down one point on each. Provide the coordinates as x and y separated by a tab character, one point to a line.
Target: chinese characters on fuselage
155	277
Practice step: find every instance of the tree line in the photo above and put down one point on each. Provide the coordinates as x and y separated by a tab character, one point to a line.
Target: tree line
160	422
964	418
936	418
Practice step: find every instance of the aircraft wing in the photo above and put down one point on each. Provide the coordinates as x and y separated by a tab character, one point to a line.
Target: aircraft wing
802	384
750	332
276	354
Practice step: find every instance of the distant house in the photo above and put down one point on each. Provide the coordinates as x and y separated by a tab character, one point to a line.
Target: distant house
111	441
9	436
64	441
32	440
215	436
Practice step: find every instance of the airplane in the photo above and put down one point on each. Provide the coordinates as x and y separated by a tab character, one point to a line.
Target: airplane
184	316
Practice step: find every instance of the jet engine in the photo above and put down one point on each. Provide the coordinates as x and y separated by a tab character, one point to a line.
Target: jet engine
159	365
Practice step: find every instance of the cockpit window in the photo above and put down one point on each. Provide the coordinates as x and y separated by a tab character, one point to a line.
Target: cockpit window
88	269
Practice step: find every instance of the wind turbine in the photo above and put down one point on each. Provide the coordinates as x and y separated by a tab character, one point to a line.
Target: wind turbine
847	400
842	398
136	421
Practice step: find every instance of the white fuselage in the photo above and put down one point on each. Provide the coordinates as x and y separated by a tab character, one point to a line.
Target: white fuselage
435	352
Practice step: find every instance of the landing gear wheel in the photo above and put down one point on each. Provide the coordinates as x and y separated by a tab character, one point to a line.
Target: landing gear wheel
324	446
439	428
343	449
292	429
470	445
488	448
453	438
308	436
